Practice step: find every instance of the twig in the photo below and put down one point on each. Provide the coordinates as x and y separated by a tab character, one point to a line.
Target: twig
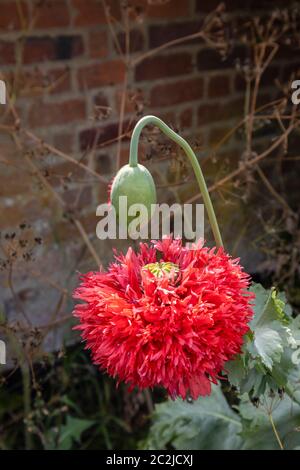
273	191
250	163
63	155
275	431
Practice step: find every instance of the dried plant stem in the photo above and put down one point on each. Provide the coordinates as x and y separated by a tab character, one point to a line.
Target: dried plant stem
273	191
275	431
249	164
58	198
15	296
88	242
261	63
63	155
174	42
121	119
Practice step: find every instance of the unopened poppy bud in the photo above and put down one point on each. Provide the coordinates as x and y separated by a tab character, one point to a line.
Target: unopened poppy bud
136	184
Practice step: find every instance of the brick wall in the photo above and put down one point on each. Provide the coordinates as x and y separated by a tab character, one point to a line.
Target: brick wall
70	78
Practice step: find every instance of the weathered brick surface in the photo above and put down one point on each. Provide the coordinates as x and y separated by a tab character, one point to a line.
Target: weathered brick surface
98	44
174	93
219	86
91	12
51	14
10	18
99	75
95	136
7	52
163	10
215	112
164	66
160	34
47	48
136	41
47	114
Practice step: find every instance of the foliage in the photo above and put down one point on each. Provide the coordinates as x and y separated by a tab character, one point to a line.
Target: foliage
74	406
265	379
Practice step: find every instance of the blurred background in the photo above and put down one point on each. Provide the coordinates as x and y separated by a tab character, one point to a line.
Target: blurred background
78	76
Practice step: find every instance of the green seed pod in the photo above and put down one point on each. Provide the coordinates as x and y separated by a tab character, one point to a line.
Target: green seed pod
136	183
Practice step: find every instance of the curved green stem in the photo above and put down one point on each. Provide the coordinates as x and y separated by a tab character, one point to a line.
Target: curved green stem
133	161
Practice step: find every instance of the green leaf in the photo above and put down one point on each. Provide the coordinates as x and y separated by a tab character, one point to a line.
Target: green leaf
70	432
207	423
235	371
258	432
267	345
269	307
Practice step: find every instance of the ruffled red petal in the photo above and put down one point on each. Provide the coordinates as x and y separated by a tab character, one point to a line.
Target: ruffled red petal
173	332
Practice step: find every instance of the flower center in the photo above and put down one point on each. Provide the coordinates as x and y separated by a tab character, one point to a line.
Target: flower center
161	269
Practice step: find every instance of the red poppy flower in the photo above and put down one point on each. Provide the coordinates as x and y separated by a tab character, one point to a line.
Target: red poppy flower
167	316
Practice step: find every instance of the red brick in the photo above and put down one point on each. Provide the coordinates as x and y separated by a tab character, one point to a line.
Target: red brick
164	66
159	9
10	216
186	118
271	74
136	41
175	93
78	198
69	47
51	14
91	12
210	59
7	52
97	75
218	86
38	81
130	101
90	137
102	109
24	209
38	49
47	114
168	9
9	17
160	34
59	80
232	5
215	135
103	164
64	142
168	117
100	99
213	112
64	230
98	44
125	153
19	181
66	170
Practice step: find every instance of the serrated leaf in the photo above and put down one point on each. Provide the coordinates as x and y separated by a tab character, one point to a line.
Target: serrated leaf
70	432
257	428
207	423
268	307
268	344
235	371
